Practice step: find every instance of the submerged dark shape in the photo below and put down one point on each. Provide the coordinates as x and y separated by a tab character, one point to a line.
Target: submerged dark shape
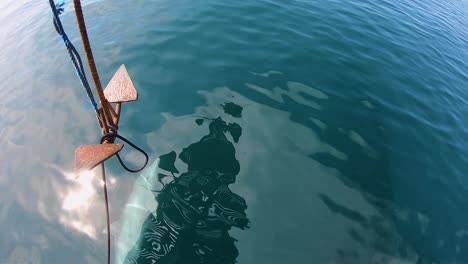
200	121
197	209
212	152
232	109
161	176
236	131
166	162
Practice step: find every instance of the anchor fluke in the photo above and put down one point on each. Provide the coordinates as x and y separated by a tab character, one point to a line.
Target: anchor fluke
121	88
89	156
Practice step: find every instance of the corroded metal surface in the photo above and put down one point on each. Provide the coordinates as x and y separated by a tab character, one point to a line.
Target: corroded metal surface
92	64
120	87
102	117
118	108
89	156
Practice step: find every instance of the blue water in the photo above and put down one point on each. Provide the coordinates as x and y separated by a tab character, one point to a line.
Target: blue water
354	137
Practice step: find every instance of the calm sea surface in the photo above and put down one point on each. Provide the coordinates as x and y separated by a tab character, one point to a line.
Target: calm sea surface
308	131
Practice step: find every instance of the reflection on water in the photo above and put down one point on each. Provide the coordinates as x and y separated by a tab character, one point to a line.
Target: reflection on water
196	209
406	223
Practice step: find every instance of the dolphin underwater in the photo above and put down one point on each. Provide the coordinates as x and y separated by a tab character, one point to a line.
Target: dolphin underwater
140	203
187	222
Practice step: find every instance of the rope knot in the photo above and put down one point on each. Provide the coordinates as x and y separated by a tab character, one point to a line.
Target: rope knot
110	138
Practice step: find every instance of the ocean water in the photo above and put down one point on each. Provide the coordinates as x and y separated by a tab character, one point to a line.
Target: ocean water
313	131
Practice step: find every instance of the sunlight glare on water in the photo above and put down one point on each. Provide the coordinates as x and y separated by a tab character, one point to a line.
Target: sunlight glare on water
80	198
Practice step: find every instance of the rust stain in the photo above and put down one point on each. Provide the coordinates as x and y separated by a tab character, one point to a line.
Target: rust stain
89	156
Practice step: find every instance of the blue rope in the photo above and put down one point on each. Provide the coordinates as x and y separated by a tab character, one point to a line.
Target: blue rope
60	6
57	10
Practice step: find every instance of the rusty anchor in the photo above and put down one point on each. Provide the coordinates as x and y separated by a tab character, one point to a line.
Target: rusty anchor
120	89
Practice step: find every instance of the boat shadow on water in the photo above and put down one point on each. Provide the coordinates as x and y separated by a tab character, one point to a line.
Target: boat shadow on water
196	209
